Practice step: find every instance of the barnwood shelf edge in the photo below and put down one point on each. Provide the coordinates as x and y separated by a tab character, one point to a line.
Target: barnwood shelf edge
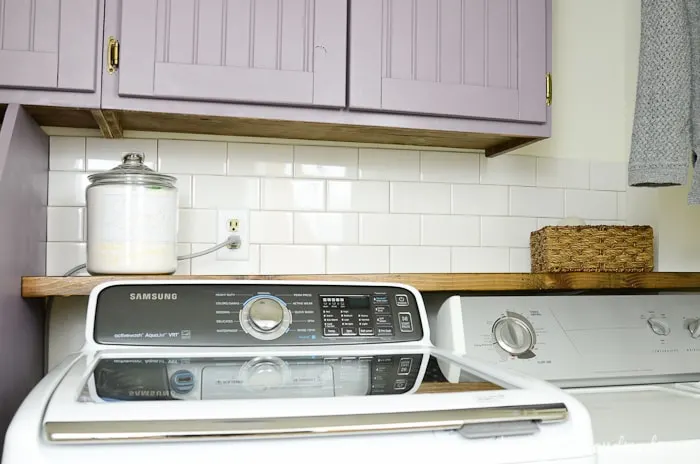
38	287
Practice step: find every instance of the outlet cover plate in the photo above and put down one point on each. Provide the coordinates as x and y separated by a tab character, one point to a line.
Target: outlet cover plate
223	232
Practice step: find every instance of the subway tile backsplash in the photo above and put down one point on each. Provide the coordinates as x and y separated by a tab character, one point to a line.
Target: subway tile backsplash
343	209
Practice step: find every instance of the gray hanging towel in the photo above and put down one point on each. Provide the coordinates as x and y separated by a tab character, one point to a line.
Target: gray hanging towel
694	27
666	128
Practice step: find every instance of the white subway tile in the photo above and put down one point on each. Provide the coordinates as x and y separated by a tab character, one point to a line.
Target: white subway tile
559	172
222	192
67	188
325	162
389	229
260	159
544	222
508	170
475	259
357	259
184	190
534	201
455	168
62	256
66	153
197	226
191	157
325	228
605	222
608	176
209	265
293	194
446	230
360	196
419	259
591	204
420	197
382	164
622	206
103	154
507	231
271	227
292	259
520	260
481	200
184	265
65	224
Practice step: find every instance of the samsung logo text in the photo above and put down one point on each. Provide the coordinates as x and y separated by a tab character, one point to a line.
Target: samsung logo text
153	296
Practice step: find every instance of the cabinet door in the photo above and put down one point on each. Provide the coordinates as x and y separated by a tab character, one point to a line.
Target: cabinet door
267	51
470	58
49	44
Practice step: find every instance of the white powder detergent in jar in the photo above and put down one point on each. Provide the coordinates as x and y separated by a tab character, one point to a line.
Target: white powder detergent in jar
132	220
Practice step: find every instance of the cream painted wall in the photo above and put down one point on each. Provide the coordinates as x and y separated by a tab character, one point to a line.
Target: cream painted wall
595	53
593	74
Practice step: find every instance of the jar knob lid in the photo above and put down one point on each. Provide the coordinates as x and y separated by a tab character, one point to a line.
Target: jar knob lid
133	158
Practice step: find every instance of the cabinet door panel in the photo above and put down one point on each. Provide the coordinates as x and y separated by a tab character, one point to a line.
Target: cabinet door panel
47	44
465	58
266	51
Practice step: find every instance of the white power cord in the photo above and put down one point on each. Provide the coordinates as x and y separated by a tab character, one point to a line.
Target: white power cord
233	241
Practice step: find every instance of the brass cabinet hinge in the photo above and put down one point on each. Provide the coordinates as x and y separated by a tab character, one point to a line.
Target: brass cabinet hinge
112	55
548	92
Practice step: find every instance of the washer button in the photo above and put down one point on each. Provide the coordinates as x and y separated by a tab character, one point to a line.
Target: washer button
366	331
349	331
401	299
400	384
405	322
405	365
331	331
383	320
385	331
382	310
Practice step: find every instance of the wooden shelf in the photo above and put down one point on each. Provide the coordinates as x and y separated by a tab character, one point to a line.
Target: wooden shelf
36	287
445	387
340	127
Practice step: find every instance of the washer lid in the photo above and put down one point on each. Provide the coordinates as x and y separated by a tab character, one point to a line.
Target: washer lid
157	395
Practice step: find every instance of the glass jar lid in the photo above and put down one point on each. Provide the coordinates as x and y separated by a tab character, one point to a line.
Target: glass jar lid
132	171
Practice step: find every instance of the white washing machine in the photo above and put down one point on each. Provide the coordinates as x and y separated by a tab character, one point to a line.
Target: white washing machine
633	361
248	372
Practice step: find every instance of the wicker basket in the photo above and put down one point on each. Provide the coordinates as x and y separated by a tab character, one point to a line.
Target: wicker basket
592	249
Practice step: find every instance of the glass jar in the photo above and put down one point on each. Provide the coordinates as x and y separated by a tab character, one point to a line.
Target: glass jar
132	216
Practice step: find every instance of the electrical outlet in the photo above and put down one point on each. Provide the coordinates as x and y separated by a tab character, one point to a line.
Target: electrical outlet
233	222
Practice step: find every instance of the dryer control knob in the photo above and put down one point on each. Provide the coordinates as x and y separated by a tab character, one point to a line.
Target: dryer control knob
694	328
265	317
658	326
514	334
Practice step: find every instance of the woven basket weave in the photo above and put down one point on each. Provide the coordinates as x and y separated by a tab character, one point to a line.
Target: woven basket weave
592	249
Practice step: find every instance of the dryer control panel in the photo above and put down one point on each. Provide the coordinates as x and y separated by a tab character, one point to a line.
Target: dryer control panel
578	340
230	314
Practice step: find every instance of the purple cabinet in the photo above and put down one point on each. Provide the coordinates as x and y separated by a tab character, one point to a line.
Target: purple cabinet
288	52
484	59
51	45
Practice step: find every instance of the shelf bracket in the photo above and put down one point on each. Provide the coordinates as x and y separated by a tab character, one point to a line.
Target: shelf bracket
109	123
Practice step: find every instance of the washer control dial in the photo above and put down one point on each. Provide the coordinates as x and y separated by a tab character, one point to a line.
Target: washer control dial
659	326
514	334
694	328
265	317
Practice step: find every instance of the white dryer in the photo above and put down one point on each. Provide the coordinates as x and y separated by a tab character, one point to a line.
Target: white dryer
254	371
632	360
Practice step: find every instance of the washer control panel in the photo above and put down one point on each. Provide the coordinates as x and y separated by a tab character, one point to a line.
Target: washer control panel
230	314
